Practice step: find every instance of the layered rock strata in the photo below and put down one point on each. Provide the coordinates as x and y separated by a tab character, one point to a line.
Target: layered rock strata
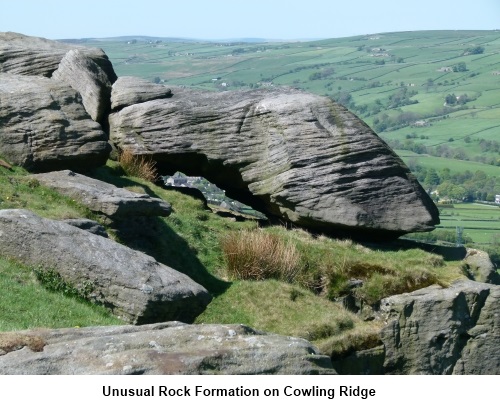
292	155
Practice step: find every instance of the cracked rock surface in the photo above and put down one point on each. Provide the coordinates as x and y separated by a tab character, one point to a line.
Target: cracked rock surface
436	330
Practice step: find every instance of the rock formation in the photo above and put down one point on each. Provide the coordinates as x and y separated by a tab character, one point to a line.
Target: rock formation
89	79
102	197
46	123
168	348
133	285
292	155
44	126
297	157
32	56
436	330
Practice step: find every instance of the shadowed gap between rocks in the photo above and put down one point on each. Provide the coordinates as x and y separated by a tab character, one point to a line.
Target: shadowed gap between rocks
152	236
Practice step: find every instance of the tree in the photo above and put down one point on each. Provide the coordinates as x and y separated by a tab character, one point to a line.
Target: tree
432	178
460	67
451	99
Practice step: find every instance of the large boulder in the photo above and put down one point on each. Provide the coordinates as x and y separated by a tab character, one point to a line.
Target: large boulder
33	56
102	197
89	79
166	348
43	126
133	285
436	330
295	156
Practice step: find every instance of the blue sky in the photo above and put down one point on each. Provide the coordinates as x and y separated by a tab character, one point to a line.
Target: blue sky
219	19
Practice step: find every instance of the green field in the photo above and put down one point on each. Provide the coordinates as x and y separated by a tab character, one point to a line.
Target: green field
480	222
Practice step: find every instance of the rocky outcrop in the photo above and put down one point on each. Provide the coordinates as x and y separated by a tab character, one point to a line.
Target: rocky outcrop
436	330
102	197
128	90
292	155
43	126
45	123
25	55
168	348
89	79
133	285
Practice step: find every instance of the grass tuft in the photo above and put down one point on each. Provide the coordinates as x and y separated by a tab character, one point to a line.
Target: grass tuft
138	166
258	255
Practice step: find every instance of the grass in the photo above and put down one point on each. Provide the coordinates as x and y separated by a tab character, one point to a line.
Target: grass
258	255
26	304
310	272
285	309
327	267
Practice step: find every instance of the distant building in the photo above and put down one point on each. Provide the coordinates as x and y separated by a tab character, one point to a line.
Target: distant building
497	199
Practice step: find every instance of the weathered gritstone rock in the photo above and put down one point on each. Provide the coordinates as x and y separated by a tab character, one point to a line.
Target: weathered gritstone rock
133	285
168	348
89	79
128	90
103	197
25	55
292	155
436	330
43	126
481	267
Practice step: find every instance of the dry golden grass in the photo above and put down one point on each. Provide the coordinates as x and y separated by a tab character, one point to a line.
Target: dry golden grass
138	166
12	341
257	255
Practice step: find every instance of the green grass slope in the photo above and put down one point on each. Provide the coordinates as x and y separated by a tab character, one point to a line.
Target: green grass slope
302	302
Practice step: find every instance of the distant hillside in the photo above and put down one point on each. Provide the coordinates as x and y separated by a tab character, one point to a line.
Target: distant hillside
430	92
434	96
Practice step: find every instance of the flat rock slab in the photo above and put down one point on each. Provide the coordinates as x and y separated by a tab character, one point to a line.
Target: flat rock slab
167	348
128	90
103	197
295	156
133	285
436	330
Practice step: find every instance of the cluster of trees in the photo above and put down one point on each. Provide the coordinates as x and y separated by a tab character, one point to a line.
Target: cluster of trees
459	186
460	67
452	99
322	74
476	50
444	150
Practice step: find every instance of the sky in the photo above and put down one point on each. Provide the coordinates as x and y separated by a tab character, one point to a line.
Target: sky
230	19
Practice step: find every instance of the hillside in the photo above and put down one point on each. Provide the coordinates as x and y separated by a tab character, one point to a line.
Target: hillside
432	95
90	237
